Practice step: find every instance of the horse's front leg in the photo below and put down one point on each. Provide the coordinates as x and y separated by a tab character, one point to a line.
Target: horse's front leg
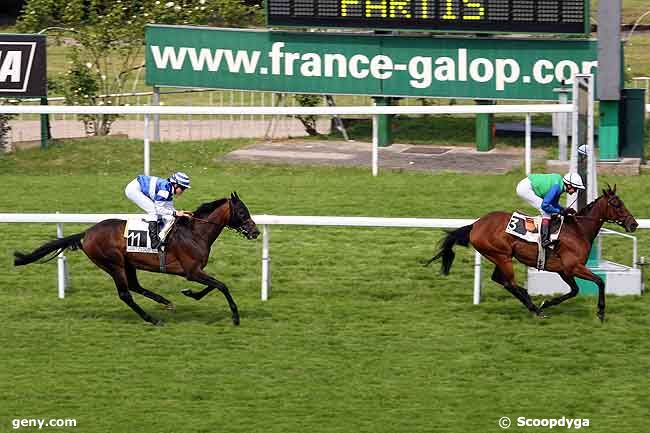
201	277
582	271
559	299
197	295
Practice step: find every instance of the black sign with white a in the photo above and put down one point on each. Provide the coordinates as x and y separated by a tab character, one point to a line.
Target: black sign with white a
22	66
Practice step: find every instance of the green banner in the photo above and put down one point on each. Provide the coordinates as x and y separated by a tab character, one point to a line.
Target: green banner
376	65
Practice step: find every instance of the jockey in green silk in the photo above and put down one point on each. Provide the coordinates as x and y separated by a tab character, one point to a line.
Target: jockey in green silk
543	192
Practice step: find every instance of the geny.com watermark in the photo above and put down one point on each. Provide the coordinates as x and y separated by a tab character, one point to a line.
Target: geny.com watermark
42	423
522	421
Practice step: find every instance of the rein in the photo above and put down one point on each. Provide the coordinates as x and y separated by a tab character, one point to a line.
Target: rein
614	221
211	222
203	221
239	230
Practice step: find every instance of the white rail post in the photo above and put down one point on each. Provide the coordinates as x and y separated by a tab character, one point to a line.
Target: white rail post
155	100
146	145
477	278
61	264
528	152
375	145
266	264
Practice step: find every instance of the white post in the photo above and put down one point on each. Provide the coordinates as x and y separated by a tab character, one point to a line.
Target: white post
146	144
266	264
528	156
155	100
61	265
592	177
573	156
477	278
563	138
375	145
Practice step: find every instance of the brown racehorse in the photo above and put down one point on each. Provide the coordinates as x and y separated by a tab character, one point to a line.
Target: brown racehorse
186	253
487	235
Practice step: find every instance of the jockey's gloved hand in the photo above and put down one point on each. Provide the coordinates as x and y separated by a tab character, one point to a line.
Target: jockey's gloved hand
182	213
568	211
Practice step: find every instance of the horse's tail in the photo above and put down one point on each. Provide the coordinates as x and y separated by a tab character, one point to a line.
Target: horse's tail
57	246
459	236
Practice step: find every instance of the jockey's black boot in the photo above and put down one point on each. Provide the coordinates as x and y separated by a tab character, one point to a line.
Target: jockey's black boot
545	232
153	234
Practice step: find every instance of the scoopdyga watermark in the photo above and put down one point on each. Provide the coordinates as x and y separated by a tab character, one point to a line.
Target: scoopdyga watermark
549	423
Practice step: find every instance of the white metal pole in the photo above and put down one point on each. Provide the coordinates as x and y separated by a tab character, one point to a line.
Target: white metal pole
477	278
375	144
592	175
573	157
528	144
266	263
61	265
146	144
564	129
155	100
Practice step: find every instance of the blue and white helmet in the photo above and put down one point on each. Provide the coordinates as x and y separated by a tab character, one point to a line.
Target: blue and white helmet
181	179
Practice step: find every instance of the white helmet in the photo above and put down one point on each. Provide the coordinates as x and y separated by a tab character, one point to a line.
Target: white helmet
574	180
181	179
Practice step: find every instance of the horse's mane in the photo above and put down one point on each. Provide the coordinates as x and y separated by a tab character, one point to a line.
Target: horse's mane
588	207
207	208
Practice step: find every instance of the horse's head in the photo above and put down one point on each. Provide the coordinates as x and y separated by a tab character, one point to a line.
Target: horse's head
240	219
616	212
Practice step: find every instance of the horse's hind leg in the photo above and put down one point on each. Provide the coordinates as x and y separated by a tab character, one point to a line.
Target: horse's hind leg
499	278
559	299
121	282
135	286
504	274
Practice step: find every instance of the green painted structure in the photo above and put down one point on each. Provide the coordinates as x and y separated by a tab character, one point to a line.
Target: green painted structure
373	65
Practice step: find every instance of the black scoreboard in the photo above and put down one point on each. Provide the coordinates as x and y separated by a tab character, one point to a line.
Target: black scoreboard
494	16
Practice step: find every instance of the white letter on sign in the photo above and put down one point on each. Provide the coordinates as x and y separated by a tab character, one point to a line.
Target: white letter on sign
10	66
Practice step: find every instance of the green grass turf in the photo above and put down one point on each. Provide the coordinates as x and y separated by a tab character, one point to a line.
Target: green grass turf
357	335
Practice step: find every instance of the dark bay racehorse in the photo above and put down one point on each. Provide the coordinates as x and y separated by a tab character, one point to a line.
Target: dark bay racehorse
487	235
186	253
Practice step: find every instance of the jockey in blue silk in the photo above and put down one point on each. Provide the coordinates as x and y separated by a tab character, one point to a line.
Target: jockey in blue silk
155	196
543	192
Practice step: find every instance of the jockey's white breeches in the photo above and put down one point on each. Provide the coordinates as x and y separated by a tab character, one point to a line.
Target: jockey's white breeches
134	194
525	191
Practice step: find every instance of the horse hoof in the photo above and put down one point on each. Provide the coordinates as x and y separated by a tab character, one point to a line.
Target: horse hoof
541	315
187	292
158	323
171	307
235	321
601	316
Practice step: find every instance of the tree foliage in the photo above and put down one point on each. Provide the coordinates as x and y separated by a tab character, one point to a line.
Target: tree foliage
5	128
106	39
309	121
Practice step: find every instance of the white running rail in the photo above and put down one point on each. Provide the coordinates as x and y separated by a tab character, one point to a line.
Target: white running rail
374	111
262	221
265	221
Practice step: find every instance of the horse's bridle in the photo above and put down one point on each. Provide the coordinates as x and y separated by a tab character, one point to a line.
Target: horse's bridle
609	220
241	229
616	206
